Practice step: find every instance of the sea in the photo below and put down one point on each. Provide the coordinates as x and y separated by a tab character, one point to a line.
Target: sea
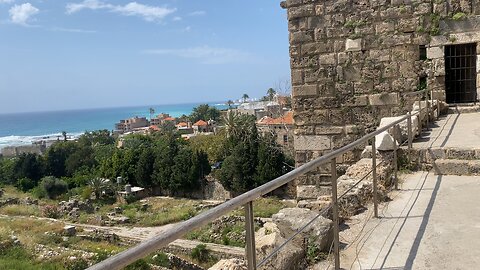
24	128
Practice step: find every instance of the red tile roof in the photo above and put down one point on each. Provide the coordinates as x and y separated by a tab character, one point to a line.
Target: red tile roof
287	119
200	123
153	127
182	124
169	119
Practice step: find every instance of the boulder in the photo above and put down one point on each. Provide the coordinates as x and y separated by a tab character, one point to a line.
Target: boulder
69	230
385	142
290	220
363	167
230	264
267	239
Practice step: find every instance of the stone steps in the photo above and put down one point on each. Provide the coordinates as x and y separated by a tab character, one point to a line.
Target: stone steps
463	109
428	156
456	167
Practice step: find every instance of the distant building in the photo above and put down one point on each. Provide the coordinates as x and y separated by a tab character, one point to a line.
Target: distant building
184	128
281	128
201	126
161	119
261	108
131	124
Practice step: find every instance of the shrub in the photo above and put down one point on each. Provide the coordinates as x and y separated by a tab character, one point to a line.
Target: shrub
25	184
139	265
201	253
51	211
161	259
53	186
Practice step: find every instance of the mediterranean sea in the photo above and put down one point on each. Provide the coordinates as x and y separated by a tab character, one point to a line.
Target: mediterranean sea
25	128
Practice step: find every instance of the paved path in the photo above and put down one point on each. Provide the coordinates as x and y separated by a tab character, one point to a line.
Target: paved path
432	223
452	131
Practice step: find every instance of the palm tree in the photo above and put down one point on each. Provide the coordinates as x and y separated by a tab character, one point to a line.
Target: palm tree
229	103
245	97
231	123
98	185
152	112
64	134
271	93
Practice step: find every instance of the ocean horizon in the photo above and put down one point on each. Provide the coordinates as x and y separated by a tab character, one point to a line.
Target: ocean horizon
26	127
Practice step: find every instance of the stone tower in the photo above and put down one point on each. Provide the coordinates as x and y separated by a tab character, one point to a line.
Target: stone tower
353	61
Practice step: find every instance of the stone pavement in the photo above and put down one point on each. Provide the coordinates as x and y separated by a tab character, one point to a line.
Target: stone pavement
452	131
432	223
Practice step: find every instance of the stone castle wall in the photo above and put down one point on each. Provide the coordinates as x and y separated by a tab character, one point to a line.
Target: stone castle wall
353	61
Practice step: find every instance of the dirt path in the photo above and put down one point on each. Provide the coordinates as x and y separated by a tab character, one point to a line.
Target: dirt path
143	233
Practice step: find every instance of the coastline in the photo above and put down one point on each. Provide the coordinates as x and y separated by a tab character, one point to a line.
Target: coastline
19	129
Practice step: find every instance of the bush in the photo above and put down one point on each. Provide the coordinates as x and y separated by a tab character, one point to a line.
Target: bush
201	253
25	184
139	265
51	211
53	186
161	259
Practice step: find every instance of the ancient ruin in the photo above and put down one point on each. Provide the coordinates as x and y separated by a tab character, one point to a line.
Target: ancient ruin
354	61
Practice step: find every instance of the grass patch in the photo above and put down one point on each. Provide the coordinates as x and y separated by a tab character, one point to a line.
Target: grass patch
266	207
20	210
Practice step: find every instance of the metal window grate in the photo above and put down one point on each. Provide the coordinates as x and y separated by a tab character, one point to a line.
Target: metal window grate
461	73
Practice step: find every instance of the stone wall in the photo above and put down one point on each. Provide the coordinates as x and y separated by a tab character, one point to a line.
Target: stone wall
353	61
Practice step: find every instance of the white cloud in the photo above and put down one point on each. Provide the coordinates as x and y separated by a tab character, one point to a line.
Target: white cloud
73	30
206	54
197	13
20	14
6	1
177	18
148	13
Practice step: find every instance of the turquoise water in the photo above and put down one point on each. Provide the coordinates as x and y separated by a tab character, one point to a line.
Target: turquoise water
23	128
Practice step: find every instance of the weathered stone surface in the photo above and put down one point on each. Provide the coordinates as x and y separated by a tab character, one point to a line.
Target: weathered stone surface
384	142
289	220
229	264
435	52
383	99
312	143
267	238
305	192
353	45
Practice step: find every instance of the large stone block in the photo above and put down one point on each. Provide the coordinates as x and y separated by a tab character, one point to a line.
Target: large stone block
435	52
353	45
311	143
383	99
304	90
384	142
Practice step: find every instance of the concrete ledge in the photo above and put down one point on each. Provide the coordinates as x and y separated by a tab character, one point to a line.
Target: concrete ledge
456	167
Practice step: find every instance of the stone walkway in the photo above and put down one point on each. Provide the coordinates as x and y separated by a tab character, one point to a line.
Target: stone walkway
452	131
432	223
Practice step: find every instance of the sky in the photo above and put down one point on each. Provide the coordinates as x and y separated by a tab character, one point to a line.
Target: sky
77	54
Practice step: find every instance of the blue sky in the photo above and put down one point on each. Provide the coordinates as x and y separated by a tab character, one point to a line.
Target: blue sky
76	54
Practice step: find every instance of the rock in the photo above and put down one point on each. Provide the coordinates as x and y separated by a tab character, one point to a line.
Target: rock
69	230
289	220
310	192
267	239
118	210
230	264
1	192
144	207
384	142
363	167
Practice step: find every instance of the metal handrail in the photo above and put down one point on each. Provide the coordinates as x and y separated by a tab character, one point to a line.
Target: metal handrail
143	249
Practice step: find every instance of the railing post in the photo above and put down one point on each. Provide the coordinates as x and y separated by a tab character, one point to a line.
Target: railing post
420	115
250	237
336	238
428	110
395	159
374	176
409	131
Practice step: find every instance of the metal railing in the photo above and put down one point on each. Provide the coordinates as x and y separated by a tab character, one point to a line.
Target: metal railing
147	247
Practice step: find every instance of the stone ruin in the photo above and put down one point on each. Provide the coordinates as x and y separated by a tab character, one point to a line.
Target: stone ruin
354	61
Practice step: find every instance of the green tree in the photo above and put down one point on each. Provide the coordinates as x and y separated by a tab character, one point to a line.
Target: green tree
53	187
64	135
7	171
56	156
152	112
271	93
29	166
204	112
245	97
144	170
165	151
98	186
229	103
183	177
271	161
